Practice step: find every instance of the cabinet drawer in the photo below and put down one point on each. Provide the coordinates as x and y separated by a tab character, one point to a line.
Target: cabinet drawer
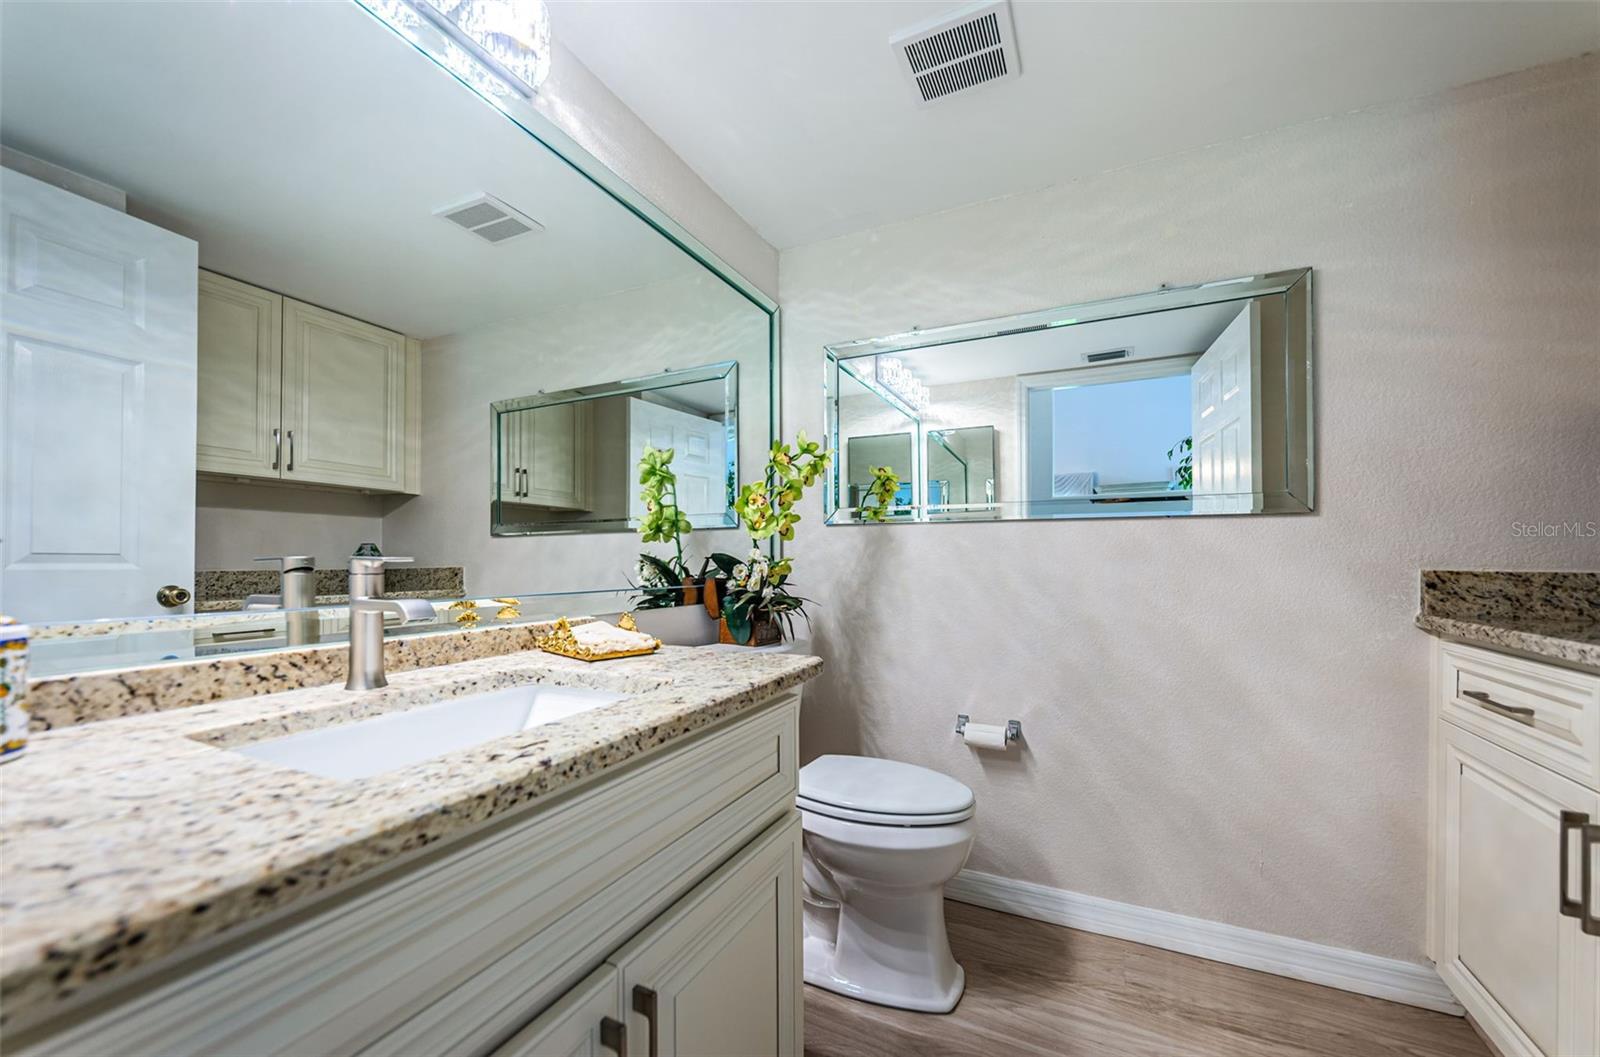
1546	714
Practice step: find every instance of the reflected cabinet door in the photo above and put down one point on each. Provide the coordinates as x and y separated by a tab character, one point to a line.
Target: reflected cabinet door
344	400
241	363
1525	970
554	444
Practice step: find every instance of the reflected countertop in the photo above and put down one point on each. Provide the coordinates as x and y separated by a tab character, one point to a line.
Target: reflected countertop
129	838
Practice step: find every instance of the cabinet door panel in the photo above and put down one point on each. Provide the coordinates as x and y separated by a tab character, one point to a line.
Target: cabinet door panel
723	964
555	456
577	1024
1525	971
344	400
241	363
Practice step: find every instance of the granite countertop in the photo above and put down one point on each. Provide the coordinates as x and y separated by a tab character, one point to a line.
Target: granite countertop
126	839
1555	616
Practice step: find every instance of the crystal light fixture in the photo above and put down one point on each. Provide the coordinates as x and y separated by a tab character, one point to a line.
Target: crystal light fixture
894	376
498	47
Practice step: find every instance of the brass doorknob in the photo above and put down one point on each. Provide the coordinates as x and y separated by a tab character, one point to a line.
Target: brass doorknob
173	595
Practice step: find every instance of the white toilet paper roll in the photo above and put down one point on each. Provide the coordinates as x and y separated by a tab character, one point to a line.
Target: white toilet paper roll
984	736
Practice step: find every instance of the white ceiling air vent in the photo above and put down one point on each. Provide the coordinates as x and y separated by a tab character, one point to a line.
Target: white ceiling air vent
489	218
962	50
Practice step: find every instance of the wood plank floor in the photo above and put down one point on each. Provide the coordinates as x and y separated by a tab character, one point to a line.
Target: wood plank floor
1035	988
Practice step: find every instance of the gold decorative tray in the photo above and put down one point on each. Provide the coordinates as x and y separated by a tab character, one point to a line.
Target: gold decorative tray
562	642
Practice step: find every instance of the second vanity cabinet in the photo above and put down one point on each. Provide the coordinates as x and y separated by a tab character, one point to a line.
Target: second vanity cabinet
544	456
1515	915
292	392
653	910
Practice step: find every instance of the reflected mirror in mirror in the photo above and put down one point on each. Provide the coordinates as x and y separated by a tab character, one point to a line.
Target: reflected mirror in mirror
570	460
264	315
1183	401
864	455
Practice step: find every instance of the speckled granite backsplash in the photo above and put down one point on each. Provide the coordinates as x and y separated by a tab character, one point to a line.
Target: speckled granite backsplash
1485	597
213	587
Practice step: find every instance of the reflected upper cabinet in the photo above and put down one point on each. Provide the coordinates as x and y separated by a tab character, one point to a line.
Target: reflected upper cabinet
1194	400
292	392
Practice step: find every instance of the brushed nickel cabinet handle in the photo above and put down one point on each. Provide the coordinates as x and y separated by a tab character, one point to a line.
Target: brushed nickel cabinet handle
291	451
614	1036
1591	837
1520	713
277	447
1570	821
644	1003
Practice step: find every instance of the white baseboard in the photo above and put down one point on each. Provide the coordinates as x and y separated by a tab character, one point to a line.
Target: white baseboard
1366	974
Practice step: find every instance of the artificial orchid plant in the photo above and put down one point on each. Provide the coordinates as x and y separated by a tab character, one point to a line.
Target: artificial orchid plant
757	594
662	580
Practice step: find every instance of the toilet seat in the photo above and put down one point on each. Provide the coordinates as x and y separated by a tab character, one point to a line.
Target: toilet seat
870	818
874	792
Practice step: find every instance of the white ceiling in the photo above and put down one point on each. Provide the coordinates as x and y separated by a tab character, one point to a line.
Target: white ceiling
1152	335
796	114
306	147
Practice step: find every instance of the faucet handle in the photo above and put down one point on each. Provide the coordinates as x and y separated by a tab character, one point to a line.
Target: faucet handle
290	562
366	565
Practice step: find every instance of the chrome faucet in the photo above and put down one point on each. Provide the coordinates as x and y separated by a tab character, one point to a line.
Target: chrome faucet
297	593
366	623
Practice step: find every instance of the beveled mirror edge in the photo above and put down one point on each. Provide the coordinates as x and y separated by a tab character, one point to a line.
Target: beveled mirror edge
1293	283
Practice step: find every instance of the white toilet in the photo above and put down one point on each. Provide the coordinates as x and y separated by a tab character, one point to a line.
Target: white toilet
881	840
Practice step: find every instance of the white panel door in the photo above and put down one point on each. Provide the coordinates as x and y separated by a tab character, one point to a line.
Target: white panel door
717	975
97	407
344	400
1226	424
700	457
584	1022
241	364
1525	971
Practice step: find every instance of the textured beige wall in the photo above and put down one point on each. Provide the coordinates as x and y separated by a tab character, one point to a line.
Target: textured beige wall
1226	717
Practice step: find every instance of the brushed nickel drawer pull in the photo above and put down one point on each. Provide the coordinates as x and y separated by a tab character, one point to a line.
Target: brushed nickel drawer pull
614	1036
1520	713
277	448
1591	837
644	1003
1570	821
291	450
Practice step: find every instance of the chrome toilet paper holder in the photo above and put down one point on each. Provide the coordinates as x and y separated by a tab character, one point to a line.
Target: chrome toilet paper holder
1013	727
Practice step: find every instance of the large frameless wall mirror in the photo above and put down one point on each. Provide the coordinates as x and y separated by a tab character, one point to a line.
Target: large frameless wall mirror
249	314
1193	400
568	461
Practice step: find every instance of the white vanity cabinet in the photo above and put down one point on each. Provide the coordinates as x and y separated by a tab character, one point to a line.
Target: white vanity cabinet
1516	815
654	907
296	393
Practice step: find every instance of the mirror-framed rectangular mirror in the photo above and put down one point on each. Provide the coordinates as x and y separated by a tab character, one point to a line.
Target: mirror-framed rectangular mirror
1182	401
568	461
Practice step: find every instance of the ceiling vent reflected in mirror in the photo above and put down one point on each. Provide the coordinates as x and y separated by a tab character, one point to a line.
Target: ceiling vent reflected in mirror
489	218
967	48
1107	356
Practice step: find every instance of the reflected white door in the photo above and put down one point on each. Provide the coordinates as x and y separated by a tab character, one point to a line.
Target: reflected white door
97	407
700	457
1223	387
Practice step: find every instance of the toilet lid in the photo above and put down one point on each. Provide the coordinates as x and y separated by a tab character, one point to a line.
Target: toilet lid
864	786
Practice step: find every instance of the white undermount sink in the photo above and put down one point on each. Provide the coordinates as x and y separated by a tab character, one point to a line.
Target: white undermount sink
366	747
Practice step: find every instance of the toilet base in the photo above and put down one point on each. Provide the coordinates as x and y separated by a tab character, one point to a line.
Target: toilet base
819	973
